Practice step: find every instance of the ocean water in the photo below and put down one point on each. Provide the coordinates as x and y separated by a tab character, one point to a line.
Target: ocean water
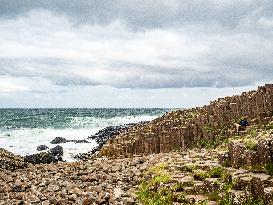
22	130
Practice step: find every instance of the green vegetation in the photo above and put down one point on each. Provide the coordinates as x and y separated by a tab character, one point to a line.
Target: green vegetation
223	197
200	175
209	128
150	192
190	167
255	168
253	133
251	144
217	172
193	114
209	144
181	185
269	127
269	168
161	196
226	163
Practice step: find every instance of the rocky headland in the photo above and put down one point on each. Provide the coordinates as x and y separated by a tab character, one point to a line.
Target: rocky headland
193	156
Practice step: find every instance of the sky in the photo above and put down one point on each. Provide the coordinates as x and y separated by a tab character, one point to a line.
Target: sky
132	53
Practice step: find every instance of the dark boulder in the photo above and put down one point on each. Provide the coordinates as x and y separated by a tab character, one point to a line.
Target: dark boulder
78	141
103	136
85	156
57	151
42	147
53	155
58	140
107	133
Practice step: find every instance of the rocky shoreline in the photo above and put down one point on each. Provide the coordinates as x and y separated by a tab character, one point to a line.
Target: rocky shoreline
180	158
210	175
46	156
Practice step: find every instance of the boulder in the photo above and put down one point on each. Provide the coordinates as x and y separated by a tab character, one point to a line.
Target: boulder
53	155
57	151
103	135
42	147
58	140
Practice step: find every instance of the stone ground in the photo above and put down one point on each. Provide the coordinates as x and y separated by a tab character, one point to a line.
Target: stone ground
194	176
97	181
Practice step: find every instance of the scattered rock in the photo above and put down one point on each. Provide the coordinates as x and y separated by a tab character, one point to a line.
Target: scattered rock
58	140
42	147
105	134
53	155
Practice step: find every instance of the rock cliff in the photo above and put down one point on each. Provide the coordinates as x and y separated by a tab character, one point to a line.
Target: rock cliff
188	128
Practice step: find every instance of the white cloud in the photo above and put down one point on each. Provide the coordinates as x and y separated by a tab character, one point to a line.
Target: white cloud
114	55
8	86
49	53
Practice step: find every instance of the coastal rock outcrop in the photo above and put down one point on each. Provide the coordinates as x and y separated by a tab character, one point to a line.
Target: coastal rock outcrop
182	129
200	159
53	155
10	161
103	136
107	133
250	152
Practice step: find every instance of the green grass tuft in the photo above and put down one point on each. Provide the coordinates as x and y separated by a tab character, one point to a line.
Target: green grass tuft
269	168
150	192
250	144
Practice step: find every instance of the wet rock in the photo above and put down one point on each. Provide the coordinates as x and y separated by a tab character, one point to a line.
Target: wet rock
79	141
57	151
53	155
103	136
58	140
107	133
42	147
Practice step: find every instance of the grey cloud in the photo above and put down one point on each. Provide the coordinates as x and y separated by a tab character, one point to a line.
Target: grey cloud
151	77
141	14
238	50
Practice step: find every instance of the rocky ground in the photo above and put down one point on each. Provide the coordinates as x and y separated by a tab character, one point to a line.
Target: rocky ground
235	171
98	181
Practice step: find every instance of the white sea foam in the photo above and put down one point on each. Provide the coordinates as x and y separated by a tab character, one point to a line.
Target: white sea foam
25	141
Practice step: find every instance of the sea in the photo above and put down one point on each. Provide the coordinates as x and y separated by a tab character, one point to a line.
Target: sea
22	130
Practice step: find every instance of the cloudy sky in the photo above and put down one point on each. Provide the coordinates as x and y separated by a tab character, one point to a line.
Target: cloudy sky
132	53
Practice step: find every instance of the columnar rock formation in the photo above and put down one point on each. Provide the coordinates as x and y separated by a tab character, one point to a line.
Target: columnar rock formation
182	129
